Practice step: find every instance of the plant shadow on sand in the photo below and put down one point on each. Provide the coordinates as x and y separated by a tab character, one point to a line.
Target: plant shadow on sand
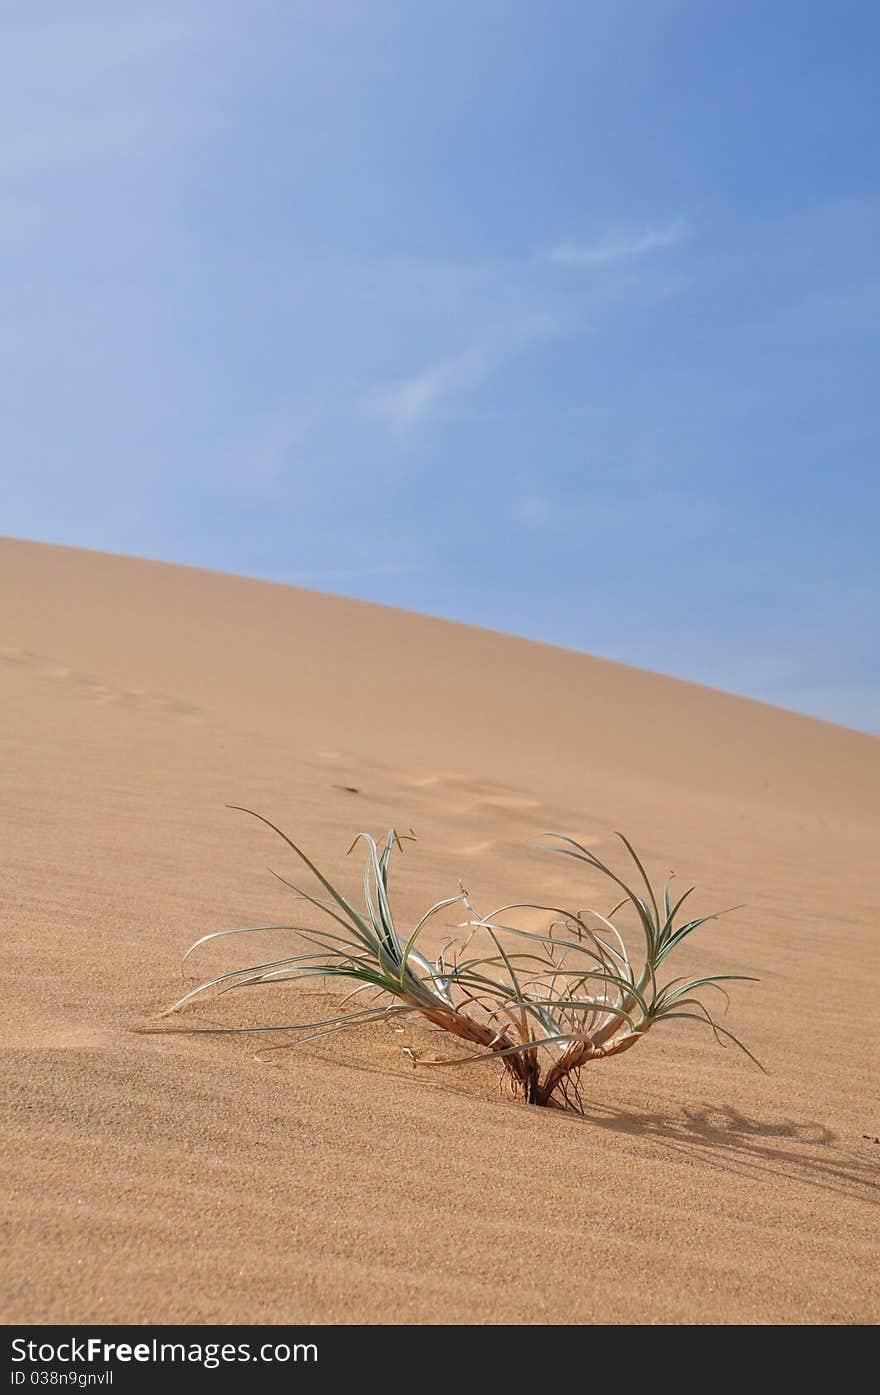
808	1153
725	1138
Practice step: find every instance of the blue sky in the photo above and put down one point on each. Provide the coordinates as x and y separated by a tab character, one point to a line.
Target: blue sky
559	318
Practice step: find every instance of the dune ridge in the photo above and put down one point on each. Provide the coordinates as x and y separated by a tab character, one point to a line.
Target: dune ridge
180	1178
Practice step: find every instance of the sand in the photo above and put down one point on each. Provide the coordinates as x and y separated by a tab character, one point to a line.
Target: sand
182	1179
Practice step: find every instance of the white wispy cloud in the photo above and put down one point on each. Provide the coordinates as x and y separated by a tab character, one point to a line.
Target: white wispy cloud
410	401
405	403
617	246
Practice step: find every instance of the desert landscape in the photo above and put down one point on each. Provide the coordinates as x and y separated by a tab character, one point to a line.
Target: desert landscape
161	1177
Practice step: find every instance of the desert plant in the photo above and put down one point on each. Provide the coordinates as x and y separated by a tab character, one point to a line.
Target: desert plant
543	1004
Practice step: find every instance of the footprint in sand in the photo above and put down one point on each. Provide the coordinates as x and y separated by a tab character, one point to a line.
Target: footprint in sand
86	685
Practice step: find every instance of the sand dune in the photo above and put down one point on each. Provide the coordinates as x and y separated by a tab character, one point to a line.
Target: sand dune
180	1178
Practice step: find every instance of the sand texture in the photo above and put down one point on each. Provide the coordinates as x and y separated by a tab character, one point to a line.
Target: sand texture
163	1178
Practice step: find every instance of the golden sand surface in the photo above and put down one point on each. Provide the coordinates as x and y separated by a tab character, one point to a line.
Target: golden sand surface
183	1178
